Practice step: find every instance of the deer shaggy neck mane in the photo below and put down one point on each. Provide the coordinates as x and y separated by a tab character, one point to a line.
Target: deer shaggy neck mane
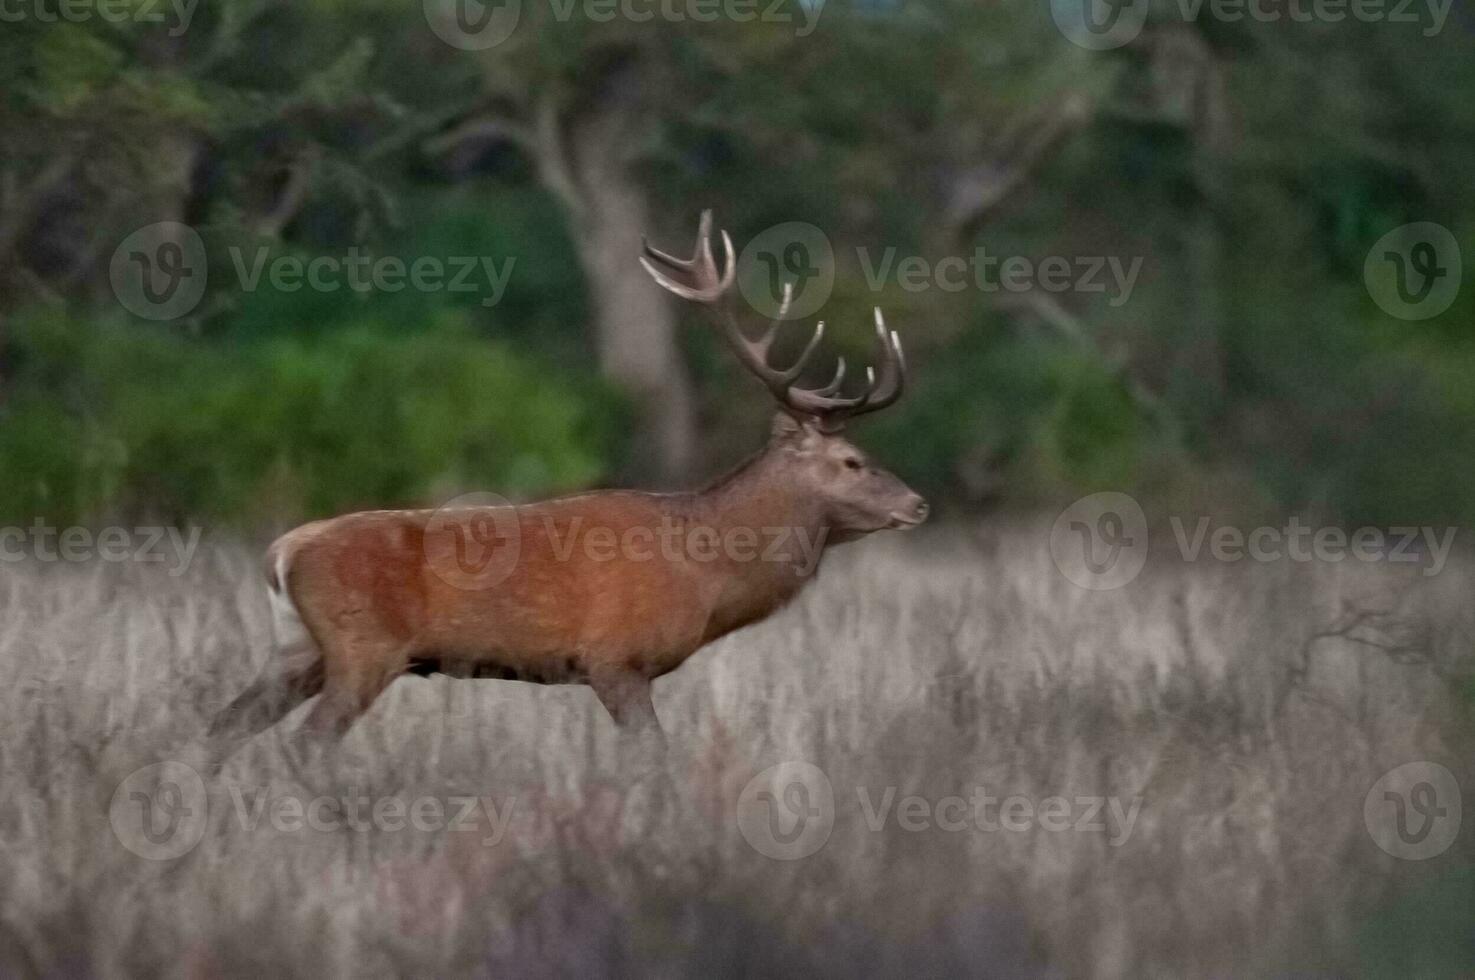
762	489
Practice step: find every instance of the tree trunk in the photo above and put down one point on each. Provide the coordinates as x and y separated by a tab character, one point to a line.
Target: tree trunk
1190	87
636	329
588	164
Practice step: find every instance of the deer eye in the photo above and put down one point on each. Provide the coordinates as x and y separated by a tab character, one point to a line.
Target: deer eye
852	463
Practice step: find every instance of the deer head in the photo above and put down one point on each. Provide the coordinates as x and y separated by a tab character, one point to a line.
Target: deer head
858	497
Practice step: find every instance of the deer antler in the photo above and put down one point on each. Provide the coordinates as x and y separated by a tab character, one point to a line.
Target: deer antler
697	279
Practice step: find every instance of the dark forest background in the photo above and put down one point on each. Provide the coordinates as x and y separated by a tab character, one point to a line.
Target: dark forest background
1252	167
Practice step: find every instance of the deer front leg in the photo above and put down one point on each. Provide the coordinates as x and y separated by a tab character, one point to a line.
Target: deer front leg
625	694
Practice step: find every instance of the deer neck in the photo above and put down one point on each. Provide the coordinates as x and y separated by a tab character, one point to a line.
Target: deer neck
773	536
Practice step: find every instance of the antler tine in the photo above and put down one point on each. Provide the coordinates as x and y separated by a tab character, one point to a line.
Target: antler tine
835	382
671	285
797	368
699	280
663	257
729	257
695	278
882	388
766	341
886	388
893	363
704	234
779	381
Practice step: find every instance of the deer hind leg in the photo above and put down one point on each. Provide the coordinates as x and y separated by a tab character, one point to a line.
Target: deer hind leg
281	686
356	672
293	674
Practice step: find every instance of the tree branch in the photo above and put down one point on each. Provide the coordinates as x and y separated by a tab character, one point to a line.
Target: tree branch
19	208
1069	326
294	193
485	127
554	165
975	193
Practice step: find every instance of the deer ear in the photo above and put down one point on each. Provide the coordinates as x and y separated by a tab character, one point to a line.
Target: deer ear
785	427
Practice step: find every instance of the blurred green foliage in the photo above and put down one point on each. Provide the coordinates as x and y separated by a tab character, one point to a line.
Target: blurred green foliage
1422	931
1251	166
107	416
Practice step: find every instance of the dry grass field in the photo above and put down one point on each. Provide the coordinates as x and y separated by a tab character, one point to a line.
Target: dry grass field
1235	714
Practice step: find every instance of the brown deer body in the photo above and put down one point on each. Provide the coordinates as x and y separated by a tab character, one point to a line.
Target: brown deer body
610	589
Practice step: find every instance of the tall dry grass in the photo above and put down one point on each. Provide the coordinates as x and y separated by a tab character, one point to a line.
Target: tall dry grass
1249	706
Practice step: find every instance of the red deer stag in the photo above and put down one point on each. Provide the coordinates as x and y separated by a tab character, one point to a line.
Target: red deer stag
366	597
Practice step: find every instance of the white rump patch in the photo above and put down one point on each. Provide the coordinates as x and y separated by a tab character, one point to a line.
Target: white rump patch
287	628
